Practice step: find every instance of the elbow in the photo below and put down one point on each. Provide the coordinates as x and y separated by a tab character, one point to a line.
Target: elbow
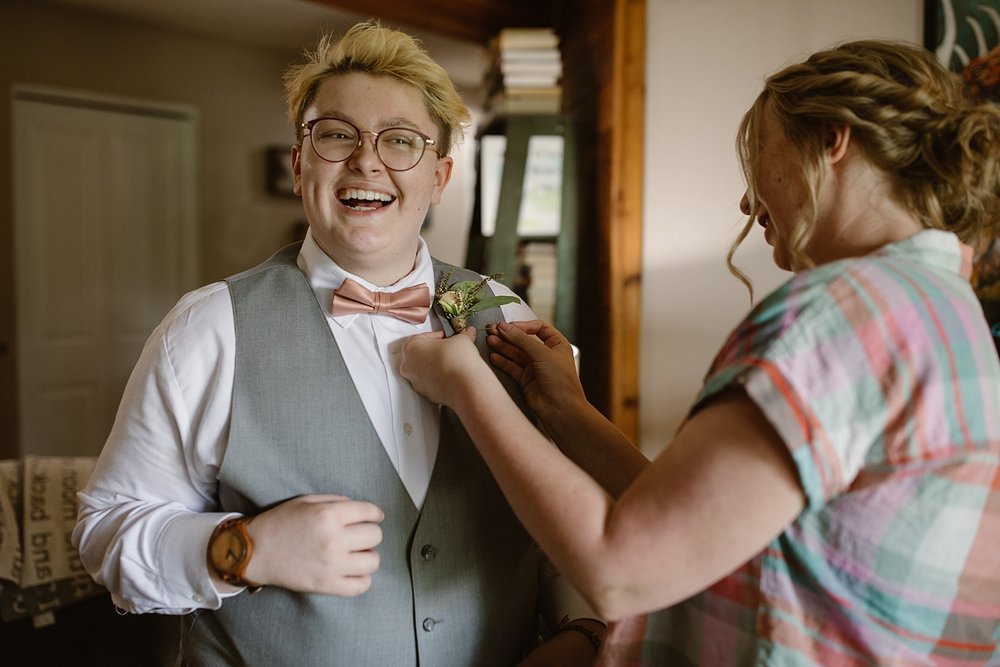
610	604
615	595
611	598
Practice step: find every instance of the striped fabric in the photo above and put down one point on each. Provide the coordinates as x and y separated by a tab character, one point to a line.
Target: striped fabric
880	375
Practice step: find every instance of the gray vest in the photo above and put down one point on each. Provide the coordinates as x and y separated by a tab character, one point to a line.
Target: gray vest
458	580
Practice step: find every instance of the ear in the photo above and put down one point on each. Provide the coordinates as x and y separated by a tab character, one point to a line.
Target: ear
297	168
837	141
442	174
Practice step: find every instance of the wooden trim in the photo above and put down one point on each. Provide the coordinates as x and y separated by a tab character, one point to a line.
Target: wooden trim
625	225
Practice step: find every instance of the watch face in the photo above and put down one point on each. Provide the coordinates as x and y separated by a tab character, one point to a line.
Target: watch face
228	550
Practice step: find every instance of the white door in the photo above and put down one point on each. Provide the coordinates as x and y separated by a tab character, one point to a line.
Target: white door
104	245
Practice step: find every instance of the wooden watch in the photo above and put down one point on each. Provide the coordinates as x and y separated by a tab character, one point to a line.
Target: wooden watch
230	549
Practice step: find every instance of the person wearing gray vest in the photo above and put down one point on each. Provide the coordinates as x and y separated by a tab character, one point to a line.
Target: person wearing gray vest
270	475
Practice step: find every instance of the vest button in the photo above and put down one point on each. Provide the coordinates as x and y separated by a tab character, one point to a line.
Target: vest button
429	624
408	428
428	552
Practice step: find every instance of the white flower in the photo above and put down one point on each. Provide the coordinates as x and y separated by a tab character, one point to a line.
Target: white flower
451	303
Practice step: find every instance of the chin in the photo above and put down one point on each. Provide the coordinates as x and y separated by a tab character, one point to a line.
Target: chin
781	260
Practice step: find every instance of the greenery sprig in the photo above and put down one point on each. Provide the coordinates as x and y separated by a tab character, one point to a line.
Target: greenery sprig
460	300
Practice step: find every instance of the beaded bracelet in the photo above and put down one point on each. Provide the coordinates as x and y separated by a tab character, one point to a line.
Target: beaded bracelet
594	638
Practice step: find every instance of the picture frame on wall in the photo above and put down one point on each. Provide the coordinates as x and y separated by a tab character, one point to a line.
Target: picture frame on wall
280	180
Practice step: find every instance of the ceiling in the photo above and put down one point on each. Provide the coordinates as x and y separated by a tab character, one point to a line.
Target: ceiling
454	32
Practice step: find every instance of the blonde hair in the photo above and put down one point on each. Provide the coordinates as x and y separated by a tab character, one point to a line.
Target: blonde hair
369	48
910	118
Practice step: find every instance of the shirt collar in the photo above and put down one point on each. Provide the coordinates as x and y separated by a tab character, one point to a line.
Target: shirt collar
325	275
934	247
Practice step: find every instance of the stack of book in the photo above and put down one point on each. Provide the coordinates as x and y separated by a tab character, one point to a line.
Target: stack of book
537	267
525	73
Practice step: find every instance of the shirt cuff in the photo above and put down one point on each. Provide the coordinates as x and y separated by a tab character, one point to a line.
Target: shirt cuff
561	601
184	564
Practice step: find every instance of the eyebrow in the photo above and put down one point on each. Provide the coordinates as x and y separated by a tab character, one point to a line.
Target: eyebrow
397	121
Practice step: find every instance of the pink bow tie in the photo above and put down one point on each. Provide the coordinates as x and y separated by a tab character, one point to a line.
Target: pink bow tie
409	304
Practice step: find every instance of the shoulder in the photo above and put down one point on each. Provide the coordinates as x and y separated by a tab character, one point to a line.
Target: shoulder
286	258
190	345
453	273
199	317
843	300
512	312
839	355
817	322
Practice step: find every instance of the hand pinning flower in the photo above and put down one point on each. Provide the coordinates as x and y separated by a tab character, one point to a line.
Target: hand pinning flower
461	300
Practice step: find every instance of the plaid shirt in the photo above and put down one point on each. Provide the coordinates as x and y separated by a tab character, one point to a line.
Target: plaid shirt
880	375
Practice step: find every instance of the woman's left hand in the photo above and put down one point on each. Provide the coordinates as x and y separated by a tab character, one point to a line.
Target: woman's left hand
438	367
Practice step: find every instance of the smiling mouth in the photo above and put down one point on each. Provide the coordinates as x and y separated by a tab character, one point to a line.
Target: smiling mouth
364	200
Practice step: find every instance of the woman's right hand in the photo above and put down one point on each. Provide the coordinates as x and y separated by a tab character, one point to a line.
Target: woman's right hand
540	359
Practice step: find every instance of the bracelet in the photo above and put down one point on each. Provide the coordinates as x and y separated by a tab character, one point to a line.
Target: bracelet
594	638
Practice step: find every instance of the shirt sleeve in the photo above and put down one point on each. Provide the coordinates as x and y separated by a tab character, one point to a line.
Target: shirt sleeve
148	509
558	599
513	312
836	381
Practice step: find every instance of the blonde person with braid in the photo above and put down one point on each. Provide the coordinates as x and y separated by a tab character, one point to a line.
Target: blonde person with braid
272	478
833	497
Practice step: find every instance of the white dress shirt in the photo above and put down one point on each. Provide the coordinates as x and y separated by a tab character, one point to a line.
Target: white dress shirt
149	508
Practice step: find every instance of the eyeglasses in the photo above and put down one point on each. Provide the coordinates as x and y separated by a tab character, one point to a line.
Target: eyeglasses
336	140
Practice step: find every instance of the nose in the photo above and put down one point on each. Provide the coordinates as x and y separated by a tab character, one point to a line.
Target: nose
366	155
745	204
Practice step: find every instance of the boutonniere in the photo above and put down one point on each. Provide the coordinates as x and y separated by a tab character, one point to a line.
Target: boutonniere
461	300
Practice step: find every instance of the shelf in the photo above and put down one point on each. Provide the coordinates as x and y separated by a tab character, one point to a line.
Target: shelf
500	251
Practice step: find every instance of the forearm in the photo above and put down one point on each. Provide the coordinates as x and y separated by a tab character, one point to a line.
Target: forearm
147	510
722	490
595	444
540	360
561	506
151	558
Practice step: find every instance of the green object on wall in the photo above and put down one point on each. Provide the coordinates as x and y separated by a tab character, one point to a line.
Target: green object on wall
961	30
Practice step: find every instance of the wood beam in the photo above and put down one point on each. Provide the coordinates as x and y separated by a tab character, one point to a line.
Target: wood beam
470	20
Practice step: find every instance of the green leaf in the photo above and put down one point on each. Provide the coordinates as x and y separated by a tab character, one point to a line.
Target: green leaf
493	302
463	286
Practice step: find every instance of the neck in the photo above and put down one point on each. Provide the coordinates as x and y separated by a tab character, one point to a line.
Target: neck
865	215
381	269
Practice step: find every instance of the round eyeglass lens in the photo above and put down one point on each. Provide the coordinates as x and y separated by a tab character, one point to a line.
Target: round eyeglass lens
400	148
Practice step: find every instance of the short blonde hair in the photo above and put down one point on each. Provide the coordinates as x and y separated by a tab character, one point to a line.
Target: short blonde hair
369	48
939	150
